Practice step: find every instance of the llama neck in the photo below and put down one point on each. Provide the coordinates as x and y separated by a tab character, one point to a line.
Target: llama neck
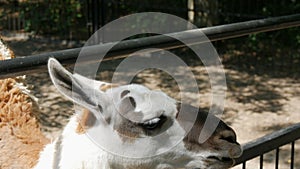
78	150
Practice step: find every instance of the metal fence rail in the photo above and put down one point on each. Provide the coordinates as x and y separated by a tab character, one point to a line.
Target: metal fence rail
273	141
37	63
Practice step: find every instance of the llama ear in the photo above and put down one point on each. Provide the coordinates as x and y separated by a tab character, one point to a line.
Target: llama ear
75	87
97	85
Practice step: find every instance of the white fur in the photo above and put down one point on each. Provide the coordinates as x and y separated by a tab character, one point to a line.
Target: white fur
79	152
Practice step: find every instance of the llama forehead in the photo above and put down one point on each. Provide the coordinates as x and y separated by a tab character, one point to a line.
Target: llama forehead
148	103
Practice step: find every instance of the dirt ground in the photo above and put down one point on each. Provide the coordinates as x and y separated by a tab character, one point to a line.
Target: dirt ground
256	105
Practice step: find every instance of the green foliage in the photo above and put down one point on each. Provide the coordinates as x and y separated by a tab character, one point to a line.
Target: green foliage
59	18
65	17
264	44
53	17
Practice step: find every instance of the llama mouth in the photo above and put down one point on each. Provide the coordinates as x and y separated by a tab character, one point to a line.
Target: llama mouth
221	159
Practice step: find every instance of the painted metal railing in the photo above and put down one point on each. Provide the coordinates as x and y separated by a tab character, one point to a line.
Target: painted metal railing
273	141
37	63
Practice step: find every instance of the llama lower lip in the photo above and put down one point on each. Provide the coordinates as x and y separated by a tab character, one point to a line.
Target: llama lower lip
221	159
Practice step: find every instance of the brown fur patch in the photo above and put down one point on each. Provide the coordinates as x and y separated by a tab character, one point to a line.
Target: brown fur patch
21	139
128	131
105	87
215	141
86	121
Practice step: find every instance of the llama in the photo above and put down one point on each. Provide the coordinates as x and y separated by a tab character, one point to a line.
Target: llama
133	112
21	139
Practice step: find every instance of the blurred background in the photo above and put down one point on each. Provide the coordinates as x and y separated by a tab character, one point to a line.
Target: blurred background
77	19
74	21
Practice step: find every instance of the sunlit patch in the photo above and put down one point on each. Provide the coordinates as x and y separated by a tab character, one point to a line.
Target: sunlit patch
105	87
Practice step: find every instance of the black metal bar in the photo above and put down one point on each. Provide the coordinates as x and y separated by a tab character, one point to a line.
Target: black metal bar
292	154
95	15
37	63
269	142
261	161
244	165
102	12
89	17
277	158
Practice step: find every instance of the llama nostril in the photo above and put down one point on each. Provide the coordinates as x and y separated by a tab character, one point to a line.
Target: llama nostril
230	139
228	136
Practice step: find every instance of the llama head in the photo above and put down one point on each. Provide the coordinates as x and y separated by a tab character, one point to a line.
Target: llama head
135	120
